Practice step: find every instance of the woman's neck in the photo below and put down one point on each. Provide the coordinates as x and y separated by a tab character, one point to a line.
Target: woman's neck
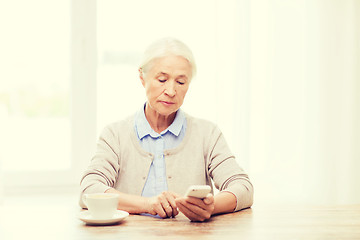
157	121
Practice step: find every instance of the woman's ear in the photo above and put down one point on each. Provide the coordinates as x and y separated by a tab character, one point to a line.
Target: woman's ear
141	75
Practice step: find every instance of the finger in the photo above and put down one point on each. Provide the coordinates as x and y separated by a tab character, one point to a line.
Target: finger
174	208
166	206
192	211
196	201
168	210
175	211
199	211
188	212
171	199
157	206
158	209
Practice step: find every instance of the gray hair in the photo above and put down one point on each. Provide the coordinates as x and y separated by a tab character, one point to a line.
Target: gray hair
165	47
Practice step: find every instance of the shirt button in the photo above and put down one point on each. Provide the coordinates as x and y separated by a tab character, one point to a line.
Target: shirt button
144	178
169	177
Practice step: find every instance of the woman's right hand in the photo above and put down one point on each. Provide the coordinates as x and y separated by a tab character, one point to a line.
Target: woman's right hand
163	205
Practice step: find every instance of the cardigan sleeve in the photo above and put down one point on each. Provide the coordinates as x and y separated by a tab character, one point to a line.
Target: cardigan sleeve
103	170
226	173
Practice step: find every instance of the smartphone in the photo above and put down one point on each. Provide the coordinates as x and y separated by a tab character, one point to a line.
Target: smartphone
198	191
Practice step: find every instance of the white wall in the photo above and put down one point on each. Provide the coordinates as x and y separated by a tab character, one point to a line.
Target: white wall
304	101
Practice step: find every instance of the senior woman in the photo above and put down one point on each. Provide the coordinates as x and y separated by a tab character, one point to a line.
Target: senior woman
153	156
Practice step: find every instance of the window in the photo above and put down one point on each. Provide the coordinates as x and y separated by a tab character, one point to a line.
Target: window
34	90
43	90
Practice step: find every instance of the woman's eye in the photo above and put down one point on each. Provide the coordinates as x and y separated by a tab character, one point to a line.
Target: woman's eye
181	83
162	80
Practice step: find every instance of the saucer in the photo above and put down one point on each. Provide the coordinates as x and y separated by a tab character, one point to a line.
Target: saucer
86	217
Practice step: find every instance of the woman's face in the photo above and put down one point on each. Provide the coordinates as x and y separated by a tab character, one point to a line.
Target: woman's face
166	83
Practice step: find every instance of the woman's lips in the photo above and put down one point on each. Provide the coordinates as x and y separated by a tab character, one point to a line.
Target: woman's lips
167	103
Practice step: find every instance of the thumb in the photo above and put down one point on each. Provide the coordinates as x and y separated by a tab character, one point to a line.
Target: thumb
209	199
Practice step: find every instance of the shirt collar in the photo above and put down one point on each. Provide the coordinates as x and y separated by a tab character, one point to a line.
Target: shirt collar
143	127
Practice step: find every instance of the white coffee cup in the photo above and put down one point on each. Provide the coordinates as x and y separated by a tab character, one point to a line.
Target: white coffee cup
101	205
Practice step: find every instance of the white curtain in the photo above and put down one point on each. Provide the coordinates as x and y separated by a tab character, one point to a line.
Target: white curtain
303	104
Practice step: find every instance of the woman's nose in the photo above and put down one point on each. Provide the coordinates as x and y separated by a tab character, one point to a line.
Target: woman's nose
170	89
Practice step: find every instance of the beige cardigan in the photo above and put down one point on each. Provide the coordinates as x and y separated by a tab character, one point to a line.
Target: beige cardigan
202	157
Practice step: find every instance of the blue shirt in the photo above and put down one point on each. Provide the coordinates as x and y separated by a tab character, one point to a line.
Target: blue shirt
156	144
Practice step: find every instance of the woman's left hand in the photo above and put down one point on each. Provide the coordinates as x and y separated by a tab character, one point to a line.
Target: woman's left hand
196	209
